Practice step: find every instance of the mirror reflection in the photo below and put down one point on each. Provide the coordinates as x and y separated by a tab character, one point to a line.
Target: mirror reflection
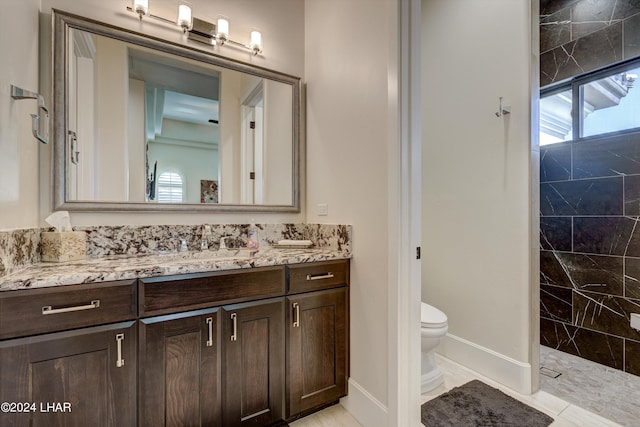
152	127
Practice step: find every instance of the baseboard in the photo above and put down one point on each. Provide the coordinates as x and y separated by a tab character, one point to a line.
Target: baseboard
498	367
365	408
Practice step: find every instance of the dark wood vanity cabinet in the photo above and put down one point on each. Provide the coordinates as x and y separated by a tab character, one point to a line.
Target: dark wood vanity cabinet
254	353
317	336
68	356
82	377
179	371
230	348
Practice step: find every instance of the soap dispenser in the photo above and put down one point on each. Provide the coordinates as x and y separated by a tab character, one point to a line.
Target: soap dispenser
253	242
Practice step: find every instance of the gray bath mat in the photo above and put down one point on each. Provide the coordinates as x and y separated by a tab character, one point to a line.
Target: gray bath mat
476	404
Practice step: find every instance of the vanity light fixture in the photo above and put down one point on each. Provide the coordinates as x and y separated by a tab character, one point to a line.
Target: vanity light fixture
200	30
184	20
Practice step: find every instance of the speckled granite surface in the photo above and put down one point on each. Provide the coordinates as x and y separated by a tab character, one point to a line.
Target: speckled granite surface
118	253
121	267
18	249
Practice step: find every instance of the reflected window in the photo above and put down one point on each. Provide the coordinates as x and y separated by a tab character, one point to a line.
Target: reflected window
170	187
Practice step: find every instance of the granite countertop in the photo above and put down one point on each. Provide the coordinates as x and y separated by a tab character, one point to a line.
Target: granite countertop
123	267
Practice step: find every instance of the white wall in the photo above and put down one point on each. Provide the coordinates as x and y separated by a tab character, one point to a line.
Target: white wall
19	172
193	164
277	150
25	195
112	100
477	180
347	145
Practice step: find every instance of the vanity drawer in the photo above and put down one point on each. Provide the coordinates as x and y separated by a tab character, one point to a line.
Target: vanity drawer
38	311
162	295
317	275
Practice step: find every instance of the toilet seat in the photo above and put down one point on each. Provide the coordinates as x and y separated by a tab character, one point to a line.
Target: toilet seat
431	317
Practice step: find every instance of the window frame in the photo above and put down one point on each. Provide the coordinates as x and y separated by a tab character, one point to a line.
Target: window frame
182	186
574	85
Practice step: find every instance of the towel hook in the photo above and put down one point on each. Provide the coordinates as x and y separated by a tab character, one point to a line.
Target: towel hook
19	93
502	110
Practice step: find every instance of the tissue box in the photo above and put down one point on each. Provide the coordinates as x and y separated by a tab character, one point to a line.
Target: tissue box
63	246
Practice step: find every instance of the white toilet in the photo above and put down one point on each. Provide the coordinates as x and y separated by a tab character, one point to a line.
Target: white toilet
433	328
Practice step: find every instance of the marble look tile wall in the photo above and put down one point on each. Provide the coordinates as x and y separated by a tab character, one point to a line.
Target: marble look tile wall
18	248
577	36
590	249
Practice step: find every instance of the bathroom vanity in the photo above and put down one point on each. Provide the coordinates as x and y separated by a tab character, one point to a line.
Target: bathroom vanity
249	345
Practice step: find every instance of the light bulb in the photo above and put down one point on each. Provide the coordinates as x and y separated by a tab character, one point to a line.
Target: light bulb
184	17
141	7
256	42
223	30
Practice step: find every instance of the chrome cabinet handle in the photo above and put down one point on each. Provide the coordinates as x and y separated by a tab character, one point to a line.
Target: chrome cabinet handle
120	360
75	155
328	275
48	310
209	321
296	315
234	319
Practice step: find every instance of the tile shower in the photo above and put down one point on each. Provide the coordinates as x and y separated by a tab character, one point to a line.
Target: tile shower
590	197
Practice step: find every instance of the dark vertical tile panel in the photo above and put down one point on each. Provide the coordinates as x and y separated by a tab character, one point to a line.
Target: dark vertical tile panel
632	357
588	53
601	196
555	162
588	16
552	271
631	37
555	233
557	64
626	8
632	195
602	274
610	156
555	303
595	346
605	313
606	236
632	278
548	7
555	30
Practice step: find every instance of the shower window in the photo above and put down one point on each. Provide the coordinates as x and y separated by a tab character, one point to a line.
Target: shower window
606	102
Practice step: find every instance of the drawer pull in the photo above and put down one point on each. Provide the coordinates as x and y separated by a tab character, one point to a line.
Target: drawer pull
209	321
234	320
48	310
296	315
328	275
120	361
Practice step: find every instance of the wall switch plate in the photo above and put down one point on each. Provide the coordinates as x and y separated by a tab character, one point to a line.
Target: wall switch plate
323	209
635	321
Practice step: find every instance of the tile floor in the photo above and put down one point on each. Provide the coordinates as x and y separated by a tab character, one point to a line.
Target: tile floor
565	414
608	392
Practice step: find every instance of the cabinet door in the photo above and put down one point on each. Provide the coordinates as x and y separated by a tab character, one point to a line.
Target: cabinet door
179	370
84	377
253	379
316	349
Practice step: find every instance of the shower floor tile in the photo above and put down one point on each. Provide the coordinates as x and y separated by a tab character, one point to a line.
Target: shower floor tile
608	392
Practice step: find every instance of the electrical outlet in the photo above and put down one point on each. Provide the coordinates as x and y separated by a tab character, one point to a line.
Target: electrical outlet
323	209
635	321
